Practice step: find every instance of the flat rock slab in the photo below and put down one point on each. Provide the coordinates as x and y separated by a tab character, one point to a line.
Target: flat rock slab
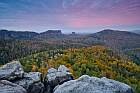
86	84
11	71
8	87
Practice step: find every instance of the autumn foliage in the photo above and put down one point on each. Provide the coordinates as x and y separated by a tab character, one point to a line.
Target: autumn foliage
96	61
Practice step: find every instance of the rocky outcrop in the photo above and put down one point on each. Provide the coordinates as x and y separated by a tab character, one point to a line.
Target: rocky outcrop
50	34
31	82
86	84
8	87
11	71
14	80
56	77
53	32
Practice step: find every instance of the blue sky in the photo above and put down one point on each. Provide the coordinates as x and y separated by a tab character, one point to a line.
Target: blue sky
69	15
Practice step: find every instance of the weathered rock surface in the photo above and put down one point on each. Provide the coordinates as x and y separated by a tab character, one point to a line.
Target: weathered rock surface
31	82
11	71
8	87
56	77
86	84
64	69
56	81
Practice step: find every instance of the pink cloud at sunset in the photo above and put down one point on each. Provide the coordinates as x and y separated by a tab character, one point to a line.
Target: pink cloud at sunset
69	14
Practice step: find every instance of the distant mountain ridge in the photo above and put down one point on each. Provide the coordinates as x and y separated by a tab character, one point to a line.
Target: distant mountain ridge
118	39
50	34
112	38
122	41
137	31
6	34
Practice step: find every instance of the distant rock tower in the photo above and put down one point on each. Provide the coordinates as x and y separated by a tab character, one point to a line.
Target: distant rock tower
54	32
73	33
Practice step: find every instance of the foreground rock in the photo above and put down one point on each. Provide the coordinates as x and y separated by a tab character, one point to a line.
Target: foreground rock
11	71
86	84
56	77
8	87
31	82
56	81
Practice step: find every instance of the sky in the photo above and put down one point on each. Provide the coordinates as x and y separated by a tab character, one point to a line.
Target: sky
70	15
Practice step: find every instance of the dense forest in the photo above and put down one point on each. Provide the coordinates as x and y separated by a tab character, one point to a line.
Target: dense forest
108	53
16	44
98	61
13	49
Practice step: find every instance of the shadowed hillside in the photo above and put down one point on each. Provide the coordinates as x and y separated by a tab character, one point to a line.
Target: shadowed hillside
13	43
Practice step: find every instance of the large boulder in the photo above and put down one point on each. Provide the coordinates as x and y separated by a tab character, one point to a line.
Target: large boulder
86	84
62	68
11	71
31	82
56	77
8	87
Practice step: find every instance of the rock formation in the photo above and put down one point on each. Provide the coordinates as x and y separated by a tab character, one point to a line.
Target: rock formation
8	87
31	82
86	84
14	80
11	71
56	77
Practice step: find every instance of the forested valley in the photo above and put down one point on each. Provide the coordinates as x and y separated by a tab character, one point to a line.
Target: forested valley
109	53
